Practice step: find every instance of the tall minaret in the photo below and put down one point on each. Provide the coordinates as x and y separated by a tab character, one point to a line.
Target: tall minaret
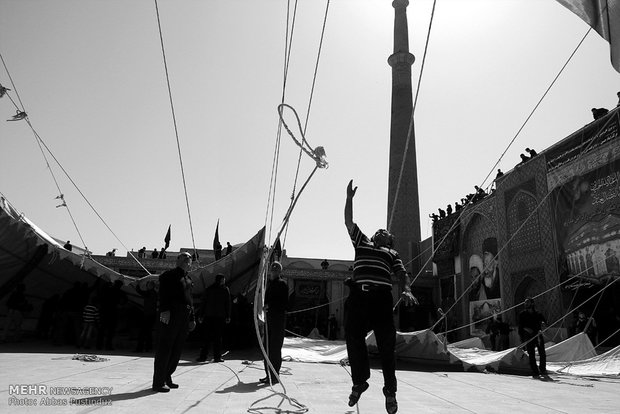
403	199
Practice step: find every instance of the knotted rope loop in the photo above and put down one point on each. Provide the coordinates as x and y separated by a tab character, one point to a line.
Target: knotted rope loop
318	153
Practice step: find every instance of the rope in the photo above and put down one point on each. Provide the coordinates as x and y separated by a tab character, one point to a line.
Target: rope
316	68
315	307
537	105
276	157
510	143
261	288
41	143
318	153
176	131
534	211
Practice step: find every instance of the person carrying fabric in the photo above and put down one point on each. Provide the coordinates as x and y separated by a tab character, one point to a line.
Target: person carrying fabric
369	305
176	317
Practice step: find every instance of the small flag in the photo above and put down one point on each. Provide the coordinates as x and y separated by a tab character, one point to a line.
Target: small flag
217	247
167	238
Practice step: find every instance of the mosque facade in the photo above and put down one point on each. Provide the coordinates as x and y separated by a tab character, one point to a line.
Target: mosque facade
550	229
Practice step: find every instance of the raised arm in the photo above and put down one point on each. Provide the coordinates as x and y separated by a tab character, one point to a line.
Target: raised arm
348	207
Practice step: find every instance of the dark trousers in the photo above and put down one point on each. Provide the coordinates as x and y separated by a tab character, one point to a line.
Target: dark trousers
537	343
274	340
213	335
107	330
365	311
170	345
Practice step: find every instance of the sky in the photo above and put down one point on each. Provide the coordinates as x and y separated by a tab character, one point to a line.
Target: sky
91	77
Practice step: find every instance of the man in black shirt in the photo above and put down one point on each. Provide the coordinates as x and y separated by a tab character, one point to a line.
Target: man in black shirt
531	323
176	316
276	303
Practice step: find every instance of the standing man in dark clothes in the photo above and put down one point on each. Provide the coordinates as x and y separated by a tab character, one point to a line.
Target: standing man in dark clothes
176	316
17	305
369	306
531	323
215	311
112	297
276	303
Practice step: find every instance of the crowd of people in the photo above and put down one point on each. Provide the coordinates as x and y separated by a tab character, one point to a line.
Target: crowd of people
478	194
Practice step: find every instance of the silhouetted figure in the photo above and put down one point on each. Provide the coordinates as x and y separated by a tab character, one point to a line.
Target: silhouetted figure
68	246
111	297
587	325
218	251
324	264
524	158
532	152
499	331
90	323
228	248
49	309
442	213
369	305
176	316
148	316
142	253
111	253
162	253
618	104
154	255
531	323
457	207
17	305
599	112
434	216
479	195
242	322
499	174
449	209
70	318
276	304
215	312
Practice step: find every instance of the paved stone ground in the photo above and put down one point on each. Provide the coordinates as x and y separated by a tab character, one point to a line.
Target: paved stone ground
232	387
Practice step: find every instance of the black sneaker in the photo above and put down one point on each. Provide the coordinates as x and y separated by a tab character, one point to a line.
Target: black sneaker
356	393
391	405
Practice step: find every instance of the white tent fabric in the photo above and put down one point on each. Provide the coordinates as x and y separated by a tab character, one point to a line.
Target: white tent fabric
419	346
566	357
575	348
604	365
314	350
